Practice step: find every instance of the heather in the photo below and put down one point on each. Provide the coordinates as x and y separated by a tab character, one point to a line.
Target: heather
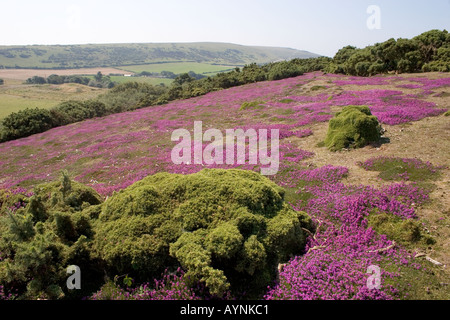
112	152
426	52
334	264
170	286
119	167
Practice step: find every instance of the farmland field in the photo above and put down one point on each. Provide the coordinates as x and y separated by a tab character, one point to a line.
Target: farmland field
24	74
179	67
15	96
149	80
385	204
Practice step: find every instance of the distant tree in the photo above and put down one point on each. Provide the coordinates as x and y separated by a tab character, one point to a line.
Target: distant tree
429	43
343	54
196	76
98	77
55	79
183	78
36	80
1	81
168	74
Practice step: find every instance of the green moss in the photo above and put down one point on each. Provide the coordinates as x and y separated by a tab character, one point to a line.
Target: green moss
257	104
353	127
447	113
428	282
286	100
226	228
406	232
394	168
316	88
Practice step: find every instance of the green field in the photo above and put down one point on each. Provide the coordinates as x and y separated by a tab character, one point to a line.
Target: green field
179	67
15	96
149	80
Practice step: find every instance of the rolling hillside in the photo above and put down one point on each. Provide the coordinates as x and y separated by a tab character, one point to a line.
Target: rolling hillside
384	205
107	55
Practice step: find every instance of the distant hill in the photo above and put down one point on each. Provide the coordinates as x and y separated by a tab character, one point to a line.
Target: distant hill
113	55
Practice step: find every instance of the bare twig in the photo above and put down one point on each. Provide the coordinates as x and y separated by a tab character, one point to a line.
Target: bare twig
384	249
309	232
433	261
315	248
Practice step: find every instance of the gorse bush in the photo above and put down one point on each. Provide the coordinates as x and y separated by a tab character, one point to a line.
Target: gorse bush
227	228
130	96
25	123
39	241
429	51
31	121
74	111
354	127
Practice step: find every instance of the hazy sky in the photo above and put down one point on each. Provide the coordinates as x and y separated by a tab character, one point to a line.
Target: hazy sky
320	26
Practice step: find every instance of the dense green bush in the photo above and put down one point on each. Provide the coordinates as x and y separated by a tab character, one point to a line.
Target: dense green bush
130	96
226	228
38	242
31	121
74	111
353	127
426	52
25	123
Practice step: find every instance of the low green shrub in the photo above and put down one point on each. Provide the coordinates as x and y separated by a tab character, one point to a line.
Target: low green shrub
25	123
227	228
39	241
353	127
408	232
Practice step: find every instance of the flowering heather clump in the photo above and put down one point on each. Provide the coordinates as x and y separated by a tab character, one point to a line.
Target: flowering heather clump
3	294
170	287
335	262
113	152
394	168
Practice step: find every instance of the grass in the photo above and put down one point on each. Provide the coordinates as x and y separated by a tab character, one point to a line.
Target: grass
427	283
258	104
408	233
15	96
394	168
179	67
316	88
149	80
10	104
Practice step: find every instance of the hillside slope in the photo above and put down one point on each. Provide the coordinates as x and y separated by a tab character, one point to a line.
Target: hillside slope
107	55
362	219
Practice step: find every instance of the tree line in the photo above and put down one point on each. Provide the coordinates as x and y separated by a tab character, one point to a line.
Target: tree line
99	80
427	52
133	95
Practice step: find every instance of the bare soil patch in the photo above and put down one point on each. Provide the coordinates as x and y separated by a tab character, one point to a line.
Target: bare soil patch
428	140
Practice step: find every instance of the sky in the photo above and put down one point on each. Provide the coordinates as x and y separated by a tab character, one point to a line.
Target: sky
320	26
